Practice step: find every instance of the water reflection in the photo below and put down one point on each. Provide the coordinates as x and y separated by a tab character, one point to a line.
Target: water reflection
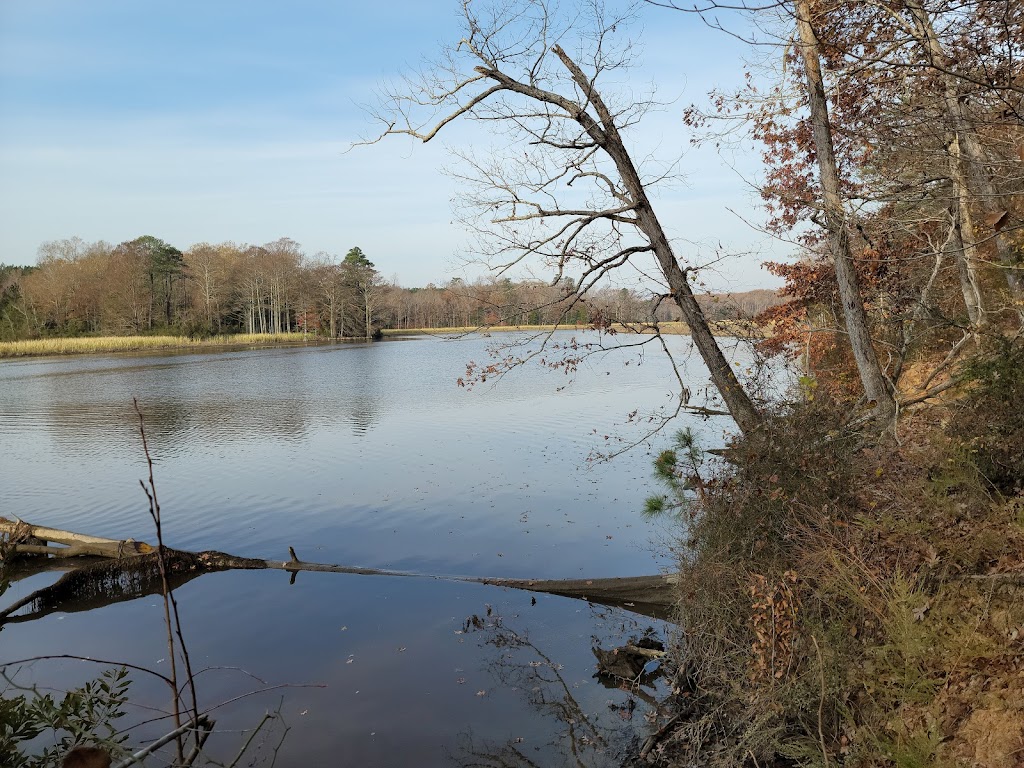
200	400
397	665
368	455
85	585
576	732
115	709
364	454
364	389
270	394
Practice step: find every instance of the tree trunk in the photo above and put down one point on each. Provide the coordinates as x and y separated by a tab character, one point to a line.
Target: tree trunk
368	312
875	386
152	300
168	299
724	378
970	155
261	311
964	244
607	135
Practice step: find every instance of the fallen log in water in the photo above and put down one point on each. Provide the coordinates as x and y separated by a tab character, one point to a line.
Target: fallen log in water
130	569
649	595
27	538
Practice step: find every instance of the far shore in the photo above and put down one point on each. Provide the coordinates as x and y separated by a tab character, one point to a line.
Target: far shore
77	345
666	328
722	328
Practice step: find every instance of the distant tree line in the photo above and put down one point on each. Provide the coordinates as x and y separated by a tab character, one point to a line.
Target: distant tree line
146	285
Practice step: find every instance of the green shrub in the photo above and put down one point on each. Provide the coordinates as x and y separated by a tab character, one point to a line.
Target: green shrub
83	715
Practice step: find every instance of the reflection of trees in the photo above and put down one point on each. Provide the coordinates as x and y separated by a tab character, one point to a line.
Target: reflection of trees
89	411
81	427
586	741
362	413
169	419
361	400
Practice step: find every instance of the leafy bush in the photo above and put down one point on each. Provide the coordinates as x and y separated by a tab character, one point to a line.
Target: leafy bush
83	715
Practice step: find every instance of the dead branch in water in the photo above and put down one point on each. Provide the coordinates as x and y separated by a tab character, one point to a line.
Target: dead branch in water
130	569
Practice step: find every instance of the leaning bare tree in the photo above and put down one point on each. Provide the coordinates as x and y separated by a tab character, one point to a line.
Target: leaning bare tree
566	191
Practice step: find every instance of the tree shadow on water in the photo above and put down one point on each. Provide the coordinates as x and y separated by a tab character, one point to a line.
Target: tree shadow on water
570	725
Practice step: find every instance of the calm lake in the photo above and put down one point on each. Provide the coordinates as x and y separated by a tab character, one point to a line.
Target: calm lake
366	455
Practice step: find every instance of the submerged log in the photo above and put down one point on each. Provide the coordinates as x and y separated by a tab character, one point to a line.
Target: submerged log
650	595
130	569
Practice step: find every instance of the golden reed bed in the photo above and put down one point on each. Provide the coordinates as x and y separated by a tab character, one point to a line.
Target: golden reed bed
84	345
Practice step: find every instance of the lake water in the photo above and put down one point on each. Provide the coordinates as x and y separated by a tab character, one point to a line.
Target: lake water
366	455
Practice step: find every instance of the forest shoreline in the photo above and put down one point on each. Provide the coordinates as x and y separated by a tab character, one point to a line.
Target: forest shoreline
62	346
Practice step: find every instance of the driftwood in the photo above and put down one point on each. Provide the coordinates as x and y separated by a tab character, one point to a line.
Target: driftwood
127	569
25	538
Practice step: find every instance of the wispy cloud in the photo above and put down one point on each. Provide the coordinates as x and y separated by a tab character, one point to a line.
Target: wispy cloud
213	121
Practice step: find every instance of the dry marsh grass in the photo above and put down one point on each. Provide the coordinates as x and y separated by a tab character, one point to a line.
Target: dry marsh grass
83	345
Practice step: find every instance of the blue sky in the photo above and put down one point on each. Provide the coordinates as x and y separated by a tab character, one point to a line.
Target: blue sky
213	121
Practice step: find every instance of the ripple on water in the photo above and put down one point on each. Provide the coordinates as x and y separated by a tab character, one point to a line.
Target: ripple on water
361	455
367	452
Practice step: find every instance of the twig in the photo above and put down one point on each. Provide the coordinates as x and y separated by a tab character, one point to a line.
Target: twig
280	741
248	741
185	657
258	691
1011	578
5	664
657	736
202	734
154	513
175	734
